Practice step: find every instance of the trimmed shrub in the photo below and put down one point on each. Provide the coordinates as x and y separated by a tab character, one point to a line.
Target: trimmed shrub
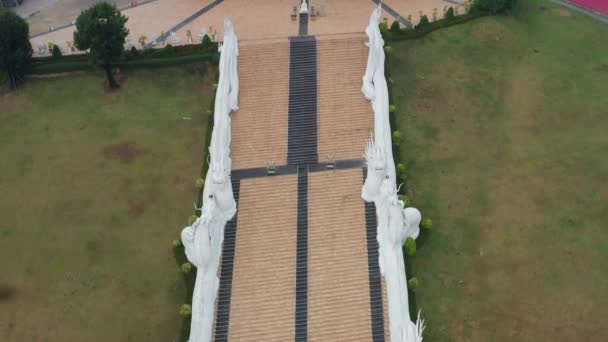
176	243
388	49
449	14
395	26
186	267
383	27
493	6
185	310
206	41
405	199
396	138
56	51
200	183
413	283
169	49
421	31
427	223
410	246
191	219
400	168
424	21
392	108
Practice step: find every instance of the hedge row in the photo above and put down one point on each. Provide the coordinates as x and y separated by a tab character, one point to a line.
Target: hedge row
70	66
424	29
398	34
178	251
150	58
401	178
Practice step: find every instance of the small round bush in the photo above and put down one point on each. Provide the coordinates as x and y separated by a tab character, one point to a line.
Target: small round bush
413	283
200	183
392	108
404	199
186	267
410	246
191	219
176	243
383	27
396	138
400	168
395	26
388	49
169	49
185	310
427	223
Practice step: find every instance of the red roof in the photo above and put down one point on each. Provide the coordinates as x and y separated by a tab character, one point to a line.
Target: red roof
598	5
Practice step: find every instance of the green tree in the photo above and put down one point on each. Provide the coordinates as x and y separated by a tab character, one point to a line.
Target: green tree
15	47
101	30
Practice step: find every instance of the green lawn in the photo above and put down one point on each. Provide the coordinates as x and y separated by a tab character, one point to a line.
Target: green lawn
505	125
95	186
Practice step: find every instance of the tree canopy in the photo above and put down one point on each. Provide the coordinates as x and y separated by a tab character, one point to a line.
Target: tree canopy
102	30
15	47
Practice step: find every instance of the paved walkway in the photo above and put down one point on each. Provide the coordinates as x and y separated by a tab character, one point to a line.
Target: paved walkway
254	20
301	261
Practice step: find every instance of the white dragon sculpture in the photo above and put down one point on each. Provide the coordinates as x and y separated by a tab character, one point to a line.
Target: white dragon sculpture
395	223
204	238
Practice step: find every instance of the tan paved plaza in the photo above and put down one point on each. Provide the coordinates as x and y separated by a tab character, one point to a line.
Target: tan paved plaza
253	20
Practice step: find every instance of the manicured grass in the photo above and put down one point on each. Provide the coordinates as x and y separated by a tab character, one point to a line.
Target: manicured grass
95	186
505	123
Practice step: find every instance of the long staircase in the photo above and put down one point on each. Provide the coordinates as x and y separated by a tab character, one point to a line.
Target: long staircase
300	259
302	144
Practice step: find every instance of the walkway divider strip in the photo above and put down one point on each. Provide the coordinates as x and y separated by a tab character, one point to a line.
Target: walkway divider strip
302	116
222	318
375	278
301	321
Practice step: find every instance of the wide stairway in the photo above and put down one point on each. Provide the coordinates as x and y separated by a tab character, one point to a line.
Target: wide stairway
300	259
